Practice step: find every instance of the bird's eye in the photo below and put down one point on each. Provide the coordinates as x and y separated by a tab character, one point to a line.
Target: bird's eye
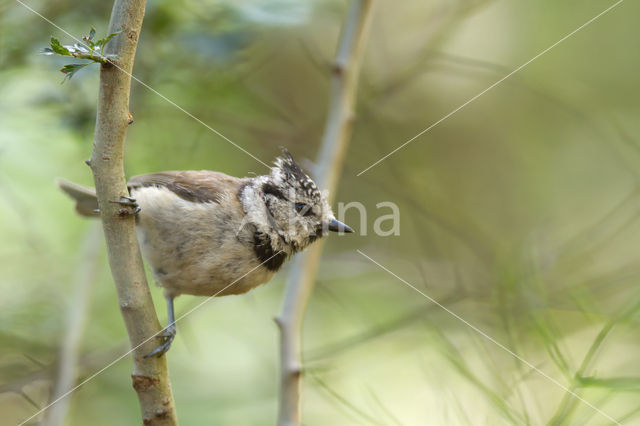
303	209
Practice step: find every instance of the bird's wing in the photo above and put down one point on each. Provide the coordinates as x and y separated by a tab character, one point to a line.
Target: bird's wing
195	186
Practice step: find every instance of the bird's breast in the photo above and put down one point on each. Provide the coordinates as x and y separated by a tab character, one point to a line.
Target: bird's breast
197	248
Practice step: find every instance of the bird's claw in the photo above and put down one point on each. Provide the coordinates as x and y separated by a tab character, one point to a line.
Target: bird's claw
167	337
132	206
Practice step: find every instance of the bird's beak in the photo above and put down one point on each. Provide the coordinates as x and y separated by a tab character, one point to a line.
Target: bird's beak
337	226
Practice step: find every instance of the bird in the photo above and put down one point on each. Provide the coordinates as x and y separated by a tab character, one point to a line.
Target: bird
206	233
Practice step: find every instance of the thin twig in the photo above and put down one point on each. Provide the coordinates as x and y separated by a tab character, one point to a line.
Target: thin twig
78	309
150	376
336	135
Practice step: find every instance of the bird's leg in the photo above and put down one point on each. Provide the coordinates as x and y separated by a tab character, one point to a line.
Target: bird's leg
130	205
168	334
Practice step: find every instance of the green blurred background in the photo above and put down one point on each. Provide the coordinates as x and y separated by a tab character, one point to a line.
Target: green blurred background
519	213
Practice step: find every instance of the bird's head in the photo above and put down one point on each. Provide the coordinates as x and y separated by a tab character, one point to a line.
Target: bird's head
294	208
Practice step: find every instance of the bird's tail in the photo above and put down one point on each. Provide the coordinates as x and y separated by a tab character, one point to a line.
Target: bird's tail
85	198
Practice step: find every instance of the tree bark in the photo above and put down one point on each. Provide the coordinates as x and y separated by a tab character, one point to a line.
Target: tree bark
150	376
337	131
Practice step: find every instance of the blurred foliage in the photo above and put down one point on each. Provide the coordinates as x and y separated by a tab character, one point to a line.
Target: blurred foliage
519	212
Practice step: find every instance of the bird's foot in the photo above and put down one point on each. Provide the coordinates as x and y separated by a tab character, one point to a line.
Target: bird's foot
167	337
130	205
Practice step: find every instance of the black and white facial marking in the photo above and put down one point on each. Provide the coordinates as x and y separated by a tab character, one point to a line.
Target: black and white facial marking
266	254
287	206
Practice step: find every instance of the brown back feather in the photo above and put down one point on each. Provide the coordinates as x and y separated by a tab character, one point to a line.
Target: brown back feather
196	186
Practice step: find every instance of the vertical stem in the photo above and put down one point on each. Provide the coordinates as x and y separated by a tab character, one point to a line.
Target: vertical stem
77	315
334	143
150	376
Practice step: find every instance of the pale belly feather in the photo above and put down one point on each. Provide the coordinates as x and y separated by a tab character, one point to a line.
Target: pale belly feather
197	248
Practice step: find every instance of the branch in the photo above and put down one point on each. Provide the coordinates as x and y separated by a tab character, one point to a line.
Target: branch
334	143
150	376
78	308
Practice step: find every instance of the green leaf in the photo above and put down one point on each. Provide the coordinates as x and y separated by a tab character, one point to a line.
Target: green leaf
58	48
88	50
89	38
69	70
78	48
103	41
